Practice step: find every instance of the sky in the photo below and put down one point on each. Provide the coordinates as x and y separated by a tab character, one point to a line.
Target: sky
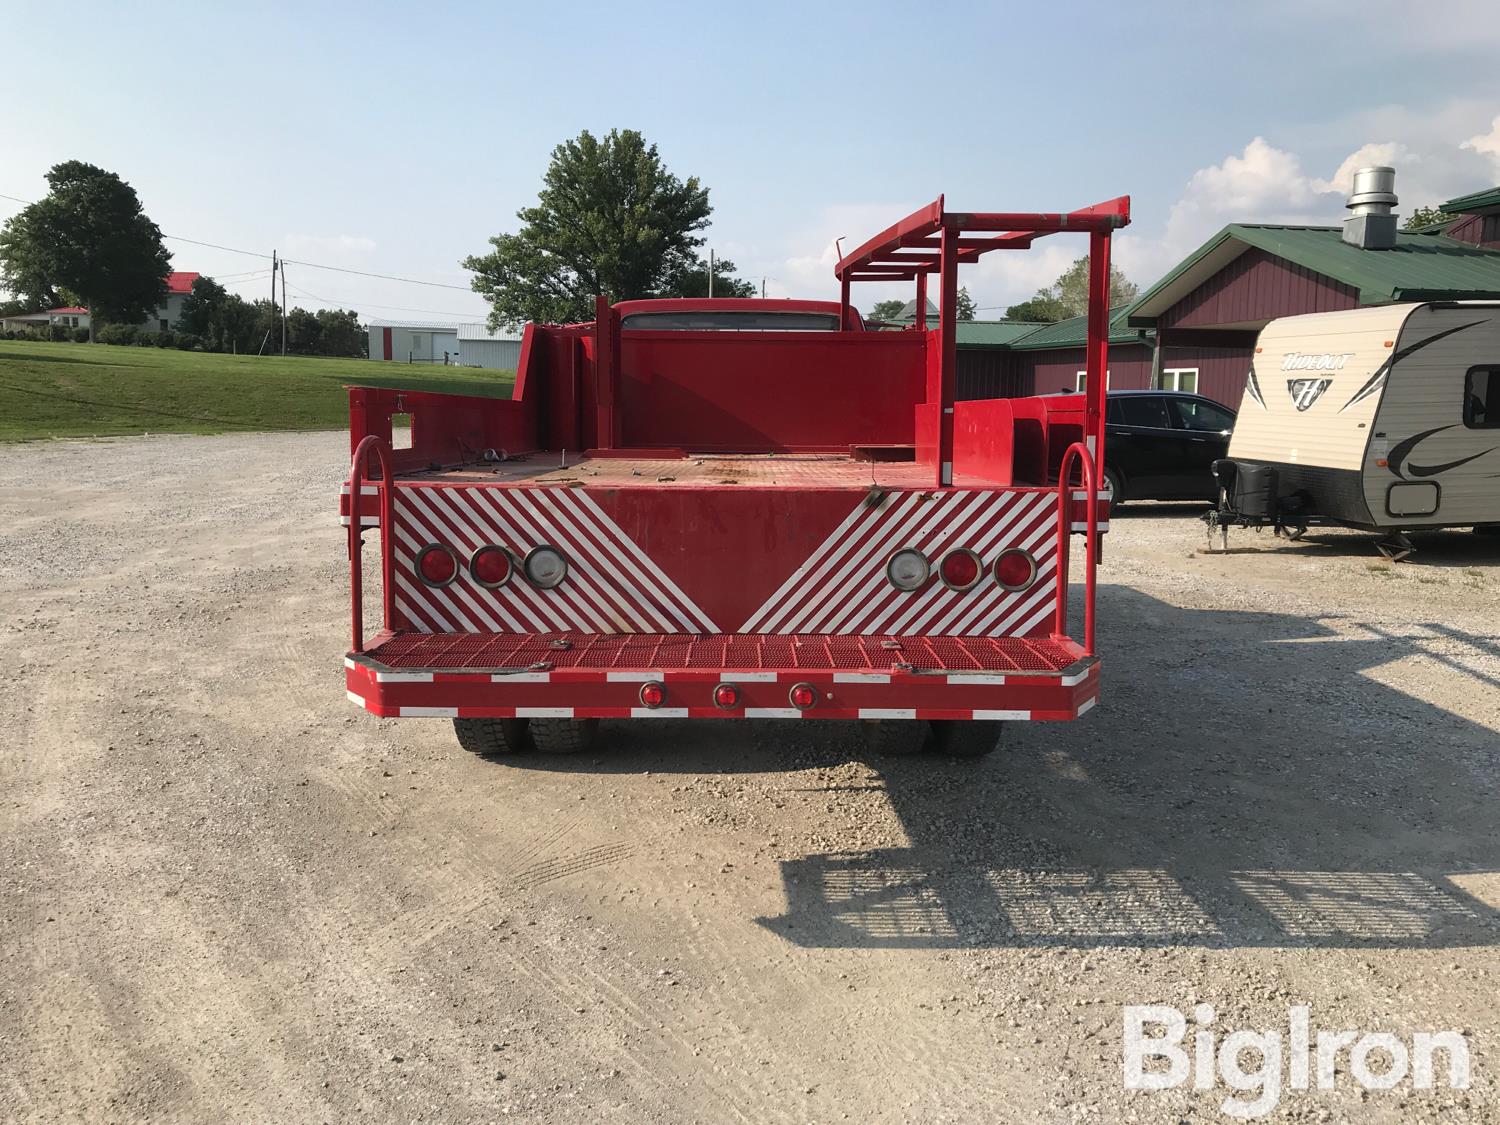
396	140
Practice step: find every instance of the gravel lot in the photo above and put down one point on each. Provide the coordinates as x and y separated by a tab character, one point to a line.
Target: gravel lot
228	894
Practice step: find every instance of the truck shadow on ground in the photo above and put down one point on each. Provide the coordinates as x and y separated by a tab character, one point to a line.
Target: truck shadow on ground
1243	783
1449	547
1246	781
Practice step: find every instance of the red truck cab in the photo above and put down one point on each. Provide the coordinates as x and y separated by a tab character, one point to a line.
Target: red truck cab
720	509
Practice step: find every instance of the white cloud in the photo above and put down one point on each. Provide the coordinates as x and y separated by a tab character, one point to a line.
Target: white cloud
1487	144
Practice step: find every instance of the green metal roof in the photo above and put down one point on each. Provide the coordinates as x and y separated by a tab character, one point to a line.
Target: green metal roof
1073	333
1474	201
994	333
1420	267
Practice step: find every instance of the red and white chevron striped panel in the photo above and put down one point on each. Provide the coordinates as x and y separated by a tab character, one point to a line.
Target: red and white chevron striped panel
612	586
842	587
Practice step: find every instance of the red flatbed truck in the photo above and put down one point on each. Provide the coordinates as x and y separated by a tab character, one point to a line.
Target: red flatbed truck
740	509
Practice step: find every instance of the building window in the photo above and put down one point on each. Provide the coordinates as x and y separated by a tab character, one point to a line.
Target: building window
1178	379
163	325
1482	398
1078	381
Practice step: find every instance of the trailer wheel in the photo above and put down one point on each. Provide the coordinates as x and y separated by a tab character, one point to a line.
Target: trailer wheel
564	736
493	738
967	738
898	738
1115	483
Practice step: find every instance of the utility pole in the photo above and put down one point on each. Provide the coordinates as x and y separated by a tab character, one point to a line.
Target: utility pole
762	289
283	309
710	274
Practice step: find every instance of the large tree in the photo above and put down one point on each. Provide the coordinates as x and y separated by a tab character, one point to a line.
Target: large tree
887	311
690	279
1069	295
88	235
610	218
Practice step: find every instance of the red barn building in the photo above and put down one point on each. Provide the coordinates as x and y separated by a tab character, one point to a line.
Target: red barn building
1195	329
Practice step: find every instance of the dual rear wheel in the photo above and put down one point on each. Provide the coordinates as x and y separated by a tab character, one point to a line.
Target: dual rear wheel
498	738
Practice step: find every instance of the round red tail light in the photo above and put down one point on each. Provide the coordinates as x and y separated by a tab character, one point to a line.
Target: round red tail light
802	696
545	567
491	566
726	697
907	569
437	565
653	694
1015	569
960	569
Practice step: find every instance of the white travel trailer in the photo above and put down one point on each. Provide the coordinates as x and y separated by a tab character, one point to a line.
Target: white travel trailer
1384	418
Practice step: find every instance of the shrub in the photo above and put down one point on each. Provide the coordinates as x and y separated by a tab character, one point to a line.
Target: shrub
7	335
59	333
187	342
165	340
80	335
117	334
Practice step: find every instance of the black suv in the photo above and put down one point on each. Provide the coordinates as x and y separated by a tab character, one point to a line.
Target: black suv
1159	444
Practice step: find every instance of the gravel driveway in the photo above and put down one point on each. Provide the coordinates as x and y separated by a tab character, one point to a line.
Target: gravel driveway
227	894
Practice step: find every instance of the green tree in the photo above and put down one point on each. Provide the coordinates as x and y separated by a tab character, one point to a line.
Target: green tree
203	311
690	279
88	235
1041	309
610	218
1069	295
1426	217
887	310
965	305
341	334
304	333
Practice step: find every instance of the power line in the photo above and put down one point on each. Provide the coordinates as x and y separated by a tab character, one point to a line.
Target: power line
468	316
293	261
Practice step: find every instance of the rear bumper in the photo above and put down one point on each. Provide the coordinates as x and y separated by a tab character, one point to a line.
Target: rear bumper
1065	690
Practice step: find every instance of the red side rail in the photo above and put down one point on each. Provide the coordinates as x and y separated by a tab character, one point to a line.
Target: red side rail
370	444
1080	452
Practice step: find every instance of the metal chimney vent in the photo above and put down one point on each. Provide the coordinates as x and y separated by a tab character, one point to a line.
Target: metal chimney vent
1372	226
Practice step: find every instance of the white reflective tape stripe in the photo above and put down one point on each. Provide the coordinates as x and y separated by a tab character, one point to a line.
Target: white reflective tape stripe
359	699
522	678
887	713
1077	677
860	512
403	677
748	678
977	678
364	521
429	712
1087	705
632	677
659	713
772	713
348	663
1021	716
544	712
947	472
861	678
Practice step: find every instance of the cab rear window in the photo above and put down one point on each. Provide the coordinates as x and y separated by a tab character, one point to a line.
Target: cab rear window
732	321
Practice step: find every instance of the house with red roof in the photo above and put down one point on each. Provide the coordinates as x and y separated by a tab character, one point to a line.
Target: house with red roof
165	316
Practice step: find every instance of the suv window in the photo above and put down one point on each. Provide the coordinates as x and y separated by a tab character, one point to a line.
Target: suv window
1482	398
1143	410
1195	414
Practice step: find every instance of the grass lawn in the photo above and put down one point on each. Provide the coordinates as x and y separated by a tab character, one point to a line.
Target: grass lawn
82	390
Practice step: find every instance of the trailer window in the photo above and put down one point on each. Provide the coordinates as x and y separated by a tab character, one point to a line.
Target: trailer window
1482	398
733	321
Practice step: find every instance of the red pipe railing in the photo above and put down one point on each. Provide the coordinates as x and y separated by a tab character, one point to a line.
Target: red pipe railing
1079	451
356	566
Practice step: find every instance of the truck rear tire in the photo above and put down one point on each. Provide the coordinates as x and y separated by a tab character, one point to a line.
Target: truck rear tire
492	738
564	736
898	738
967	738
